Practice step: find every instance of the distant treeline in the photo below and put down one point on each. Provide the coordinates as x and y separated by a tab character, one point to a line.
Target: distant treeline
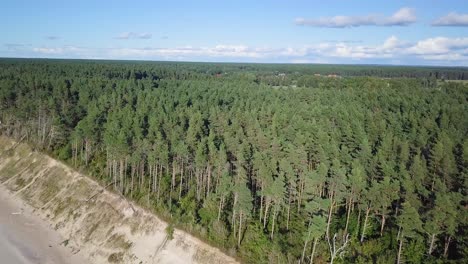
293	71
272	163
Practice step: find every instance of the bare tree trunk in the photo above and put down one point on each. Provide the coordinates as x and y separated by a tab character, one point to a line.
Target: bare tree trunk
150	182
347	218
289	212
220	207
142	173
303	252
273	224
234	213
399	251
261	206
155	179
313	251
329	217
234	223
115	175
151	177
382	225
446	247
132	175
159	180
431	245
181	180
306	241
398	234
124	184
336	251
121	175
240	229
173	176
267	204
209	182
365	224
197	177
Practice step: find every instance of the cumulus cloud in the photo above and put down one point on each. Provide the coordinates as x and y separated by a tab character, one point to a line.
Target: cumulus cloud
440	46
134	35
431	51
403	17
441	49
391	43
452	19
388	49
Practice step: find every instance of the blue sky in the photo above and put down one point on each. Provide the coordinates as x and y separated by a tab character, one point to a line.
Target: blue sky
424	32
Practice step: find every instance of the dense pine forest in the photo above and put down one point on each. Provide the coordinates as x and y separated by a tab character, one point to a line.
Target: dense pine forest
271	163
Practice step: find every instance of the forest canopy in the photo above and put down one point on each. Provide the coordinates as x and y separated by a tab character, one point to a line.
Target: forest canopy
272	163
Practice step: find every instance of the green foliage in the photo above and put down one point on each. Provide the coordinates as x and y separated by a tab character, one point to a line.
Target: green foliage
261	160
170	231
410	221
218	233
64	153
187	208
256	246
207	214
414	251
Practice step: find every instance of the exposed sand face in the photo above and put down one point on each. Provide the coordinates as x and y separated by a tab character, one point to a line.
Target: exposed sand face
106	228
25	238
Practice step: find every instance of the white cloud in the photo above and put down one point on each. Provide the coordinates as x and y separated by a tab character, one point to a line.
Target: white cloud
390	47
452	19
391	43
440	49
451	57
218	51
310	61
52	37
65	50
403	17
49	50
134	35
437	50
440	46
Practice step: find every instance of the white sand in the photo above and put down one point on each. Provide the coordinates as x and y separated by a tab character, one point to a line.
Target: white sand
25	238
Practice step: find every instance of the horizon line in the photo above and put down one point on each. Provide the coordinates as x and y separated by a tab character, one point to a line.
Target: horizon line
238	62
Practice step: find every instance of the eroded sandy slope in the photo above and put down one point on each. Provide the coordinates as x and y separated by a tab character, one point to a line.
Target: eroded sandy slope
107	227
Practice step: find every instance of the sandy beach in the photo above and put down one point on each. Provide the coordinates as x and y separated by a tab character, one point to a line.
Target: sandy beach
27	239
